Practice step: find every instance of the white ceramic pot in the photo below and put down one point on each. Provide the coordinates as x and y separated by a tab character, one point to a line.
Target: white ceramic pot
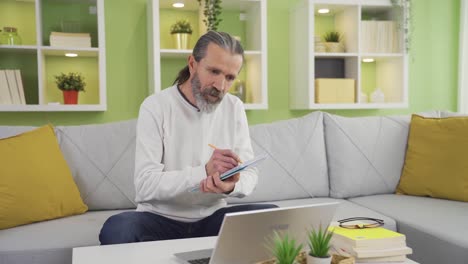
315	260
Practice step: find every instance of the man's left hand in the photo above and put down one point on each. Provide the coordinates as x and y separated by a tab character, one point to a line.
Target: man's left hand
213	184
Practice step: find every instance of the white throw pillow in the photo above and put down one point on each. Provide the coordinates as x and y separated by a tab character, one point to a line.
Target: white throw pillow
366	154
296	165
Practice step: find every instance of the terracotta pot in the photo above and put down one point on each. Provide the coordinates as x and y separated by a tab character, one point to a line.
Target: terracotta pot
70	97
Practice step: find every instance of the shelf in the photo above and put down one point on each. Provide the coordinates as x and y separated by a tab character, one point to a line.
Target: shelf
60	51
334	55
38	62
22	47
51	108
369	31
360	106
175	53
245	19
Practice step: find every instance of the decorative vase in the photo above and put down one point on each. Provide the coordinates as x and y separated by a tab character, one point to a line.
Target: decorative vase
181	40
70	97
334	47
315	260
10	36
378	96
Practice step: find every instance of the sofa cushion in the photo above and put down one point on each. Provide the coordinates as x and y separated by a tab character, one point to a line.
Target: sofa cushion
36	183
102	160
365	155
9	131
296	165
435	163
430	225
52	241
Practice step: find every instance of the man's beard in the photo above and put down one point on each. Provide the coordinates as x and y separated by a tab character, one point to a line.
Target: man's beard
203	99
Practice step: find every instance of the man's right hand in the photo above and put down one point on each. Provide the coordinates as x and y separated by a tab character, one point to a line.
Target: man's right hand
221	161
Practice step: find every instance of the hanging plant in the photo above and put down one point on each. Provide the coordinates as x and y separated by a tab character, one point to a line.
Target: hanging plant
211	9
403	15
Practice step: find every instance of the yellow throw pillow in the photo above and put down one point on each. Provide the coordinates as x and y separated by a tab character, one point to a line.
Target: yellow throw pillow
35	181
436	159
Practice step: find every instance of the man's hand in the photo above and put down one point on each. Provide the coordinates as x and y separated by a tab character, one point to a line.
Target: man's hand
221	161
213	184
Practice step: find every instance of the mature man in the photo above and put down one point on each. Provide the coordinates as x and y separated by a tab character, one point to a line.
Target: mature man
174	129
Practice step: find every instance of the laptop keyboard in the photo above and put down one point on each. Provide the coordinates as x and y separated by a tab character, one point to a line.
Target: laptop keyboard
200	261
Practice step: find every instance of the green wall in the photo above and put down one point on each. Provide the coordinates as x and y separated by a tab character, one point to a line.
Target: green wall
433	65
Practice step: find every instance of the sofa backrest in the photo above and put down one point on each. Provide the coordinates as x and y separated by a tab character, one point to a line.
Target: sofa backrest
317	155
102	160
365	155
296	164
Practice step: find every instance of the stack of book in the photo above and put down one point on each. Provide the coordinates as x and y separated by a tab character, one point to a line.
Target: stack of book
380	36
11	87
371	245
76	40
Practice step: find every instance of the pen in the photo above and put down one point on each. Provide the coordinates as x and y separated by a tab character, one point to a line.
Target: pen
214	147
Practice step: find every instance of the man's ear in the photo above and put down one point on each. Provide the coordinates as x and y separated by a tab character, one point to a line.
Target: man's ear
192	64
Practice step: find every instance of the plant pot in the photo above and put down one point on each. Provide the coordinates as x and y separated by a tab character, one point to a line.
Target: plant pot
70	97
315	260
334	47
181	40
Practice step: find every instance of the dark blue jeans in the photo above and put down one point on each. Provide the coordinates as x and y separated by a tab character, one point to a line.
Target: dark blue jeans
134	226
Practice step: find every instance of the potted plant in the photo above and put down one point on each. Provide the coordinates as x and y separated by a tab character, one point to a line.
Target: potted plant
319	244
403	15
181	31
284	249
70	84
211	10
333	41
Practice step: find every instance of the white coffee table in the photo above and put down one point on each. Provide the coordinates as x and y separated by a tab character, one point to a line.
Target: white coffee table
144	252
140	253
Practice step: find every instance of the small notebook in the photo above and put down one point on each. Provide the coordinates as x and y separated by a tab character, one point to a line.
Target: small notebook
248	164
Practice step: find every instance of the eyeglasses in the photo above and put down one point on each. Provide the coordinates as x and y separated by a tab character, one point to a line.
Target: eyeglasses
364	222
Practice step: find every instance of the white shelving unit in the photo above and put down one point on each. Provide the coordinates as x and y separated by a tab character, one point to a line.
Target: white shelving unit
251	17
38	54
388	72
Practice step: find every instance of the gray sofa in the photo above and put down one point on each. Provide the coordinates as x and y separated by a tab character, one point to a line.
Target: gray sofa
316	158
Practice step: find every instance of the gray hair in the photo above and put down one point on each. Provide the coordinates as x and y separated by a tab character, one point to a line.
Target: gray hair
222	39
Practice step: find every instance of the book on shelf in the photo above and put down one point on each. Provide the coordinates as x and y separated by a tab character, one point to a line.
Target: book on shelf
380	36
19	83
14	92
5	96
64	39
11	87
377	237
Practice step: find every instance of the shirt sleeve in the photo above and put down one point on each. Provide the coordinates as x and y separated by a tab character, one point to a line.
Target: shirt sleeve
243	147
151	181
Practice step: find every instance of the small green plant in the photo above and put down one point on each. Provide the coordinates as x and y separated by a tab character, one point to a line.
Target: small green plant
332	36
319	242
284	248
403	12
212	9
181	26
72	81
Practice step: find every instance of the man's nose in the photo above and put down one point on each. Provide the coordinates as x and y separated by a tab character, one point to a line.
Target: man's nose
220	83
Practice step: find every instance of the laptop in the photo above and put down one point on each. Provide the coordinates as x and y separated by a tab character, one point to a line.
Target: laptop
243	235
